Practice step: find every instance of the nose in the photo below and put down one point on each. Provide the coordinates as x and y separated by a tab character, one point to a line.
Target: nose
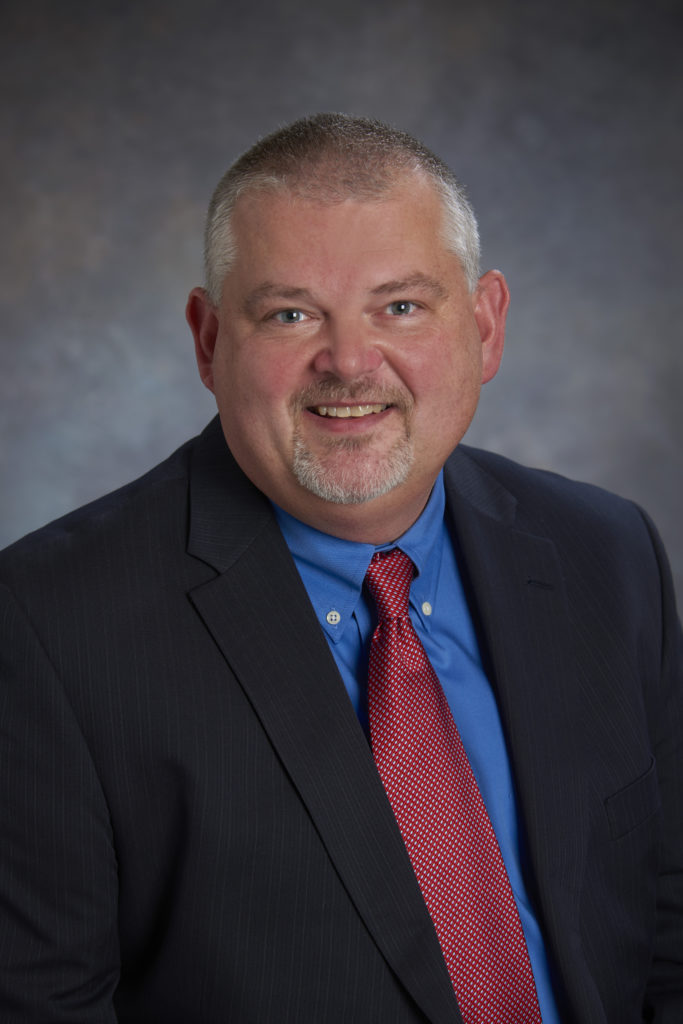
347	351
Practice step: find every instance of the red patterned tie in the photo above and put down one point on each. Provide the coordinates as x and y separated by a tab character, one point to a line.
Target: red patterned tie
441	814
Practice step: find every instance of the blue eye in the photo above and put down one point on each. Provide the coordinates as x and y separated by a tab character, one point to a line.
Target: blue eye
401	307
290	316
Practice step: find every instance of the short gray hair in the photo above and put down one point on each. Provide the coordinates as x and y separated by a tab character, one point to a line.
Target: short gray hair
332	157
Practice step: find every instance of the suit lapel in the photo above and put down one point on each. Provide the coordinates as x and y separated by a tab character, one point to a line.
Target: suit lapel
258	612
518	598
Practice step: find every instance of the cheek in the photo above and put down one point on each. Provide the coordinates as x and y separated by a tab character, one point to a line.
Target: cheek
272	372
446	393
255	392
449	370
278	380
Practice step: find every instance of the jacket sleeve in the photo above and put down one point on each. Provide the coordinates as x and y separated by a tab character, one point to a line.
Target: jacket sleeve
59	958
664	996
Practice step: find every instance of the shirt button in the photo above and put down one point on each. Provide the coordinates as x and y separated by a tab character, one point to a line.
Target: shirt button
426	608
333	618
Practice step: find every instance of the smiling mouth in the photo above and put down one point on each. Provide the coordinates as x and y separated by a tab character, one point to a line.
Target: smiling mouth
345	411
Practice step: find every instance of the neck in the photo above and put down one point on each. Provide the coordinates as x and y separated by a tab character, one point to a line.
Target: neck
377	522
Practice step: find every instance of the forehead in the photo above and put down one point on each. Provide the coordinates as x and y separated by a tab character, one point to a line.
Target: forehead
288	232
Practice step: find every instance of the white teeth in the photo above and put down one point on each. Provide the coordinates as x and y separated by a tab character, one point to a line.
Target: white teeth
344	411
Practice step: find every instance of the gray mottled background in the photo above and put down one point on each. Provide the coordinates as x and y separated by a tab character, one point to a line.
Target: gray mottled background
118	118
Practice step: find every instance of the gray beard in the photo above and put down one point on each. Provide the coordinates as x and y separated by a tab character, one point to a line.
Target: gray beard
349	487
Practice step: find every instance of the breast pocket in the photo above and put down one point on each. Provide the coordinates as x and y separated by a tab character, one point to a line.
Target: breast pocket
634	804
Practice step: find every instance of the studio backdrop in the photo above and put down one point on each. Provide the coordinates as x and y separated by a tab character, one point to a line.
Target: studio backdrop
564	121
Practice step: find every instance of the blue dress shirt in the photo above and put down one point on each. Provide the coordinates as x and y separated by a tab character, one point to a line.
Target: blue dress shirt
332	571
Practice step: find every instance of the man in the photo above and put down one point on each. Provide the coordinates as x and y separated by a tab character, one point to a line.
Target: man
208	812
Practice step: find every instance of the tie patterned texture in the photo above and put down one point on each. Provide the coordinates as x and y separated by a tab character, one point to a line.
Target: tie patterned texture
441	814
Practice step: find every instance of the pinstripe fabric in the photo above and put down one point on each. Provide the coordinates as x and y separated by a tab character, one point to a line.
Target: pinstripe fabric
192	826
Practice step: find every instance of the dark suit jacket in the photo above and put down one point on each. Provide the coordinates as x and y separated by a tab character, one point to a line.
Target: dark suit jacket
193	829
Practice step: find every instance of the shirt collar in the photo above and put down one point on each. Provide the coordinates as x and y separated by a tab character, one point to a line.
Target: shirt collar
333	569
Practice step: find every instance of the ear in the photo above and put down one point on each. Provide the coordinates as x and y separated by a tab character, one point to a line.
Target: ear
202	316
491	300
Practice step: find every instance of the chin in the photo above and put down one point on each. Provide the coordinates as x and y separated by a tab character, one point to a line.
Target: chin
366	478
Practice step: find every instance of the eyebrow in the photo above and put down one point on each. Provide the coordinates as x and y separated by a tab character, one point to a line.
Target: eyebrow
417	280
269	290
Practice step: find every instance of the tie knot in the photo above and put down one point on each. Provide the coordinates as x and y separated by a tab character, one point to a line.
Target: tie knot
388	579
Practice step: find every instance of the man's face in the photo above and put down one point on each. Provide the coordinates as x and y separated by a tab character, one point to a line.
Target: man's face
346	354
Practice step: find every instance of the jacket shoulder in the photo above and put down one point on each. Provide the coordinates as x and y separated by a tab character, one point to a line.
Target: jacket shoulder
543	498
104	523
594	529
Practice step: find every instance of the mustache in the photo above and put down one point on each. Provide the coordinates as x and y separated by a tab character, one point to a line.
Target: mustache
364	391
